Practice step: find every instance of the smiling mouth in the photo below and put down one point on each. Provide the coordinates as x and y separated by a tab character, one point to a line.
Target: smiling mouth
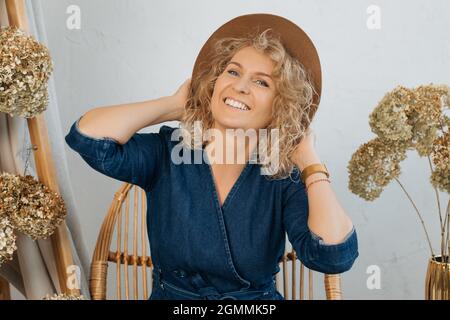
236	104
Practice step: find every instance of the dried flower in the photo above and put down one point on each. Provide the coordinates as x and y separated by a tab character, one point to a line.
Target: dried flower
7	240
373	166
406	119
25	67
32	208
63	296
440	155
413	117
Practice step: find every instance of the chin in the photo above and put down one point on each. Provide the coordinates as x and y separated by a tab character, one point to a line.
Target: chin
223	119
231	124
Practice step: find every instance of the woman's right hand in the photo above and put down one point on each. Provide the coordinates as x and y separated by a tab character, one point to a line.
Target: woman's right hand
180	97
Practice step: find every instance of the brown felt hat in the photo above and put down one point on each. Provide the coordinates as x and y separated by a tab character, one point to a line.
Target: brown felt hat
294	39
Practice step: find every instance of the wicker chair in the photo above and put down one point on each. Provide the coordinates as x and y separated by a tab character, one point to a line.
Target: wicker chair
133	234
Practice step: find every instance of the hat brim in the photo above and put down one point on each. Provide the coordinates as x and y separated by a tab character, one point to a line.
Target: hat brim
294	39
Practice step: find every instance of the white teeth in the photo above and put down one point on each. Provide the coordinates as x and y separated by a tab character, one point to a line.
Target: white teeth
236	104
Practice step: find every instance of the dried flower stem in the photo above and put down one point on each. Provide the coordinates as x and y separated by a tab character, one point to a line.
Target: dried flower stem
447	245
437	198
418	213
442	224
444	240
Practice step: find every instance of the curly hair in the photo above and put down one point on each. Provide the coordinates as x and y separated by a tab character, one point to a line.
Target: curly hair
292	108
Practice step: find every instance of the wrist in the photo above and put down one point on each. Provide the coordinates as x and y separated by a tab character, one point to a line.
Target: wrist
314	177
307	158
172	110
173	104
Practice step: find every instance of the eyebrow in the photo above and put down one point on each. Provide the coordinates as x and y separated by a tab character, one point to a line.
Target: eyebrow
259	73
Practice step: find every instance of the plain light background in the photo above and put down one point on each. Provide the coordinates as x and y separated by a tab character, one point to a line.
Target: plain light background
128	51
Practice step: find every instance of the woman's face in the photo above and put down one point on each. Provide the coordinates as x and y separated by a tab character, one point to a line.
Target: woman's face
244	93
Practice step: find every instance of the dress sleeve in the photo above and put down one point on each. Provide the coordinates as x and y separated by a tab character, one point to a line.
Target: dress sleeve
137	161
311	250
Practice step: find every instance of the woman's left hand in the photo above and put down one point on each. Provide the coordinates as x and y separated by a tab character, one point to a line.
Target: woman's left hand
306	145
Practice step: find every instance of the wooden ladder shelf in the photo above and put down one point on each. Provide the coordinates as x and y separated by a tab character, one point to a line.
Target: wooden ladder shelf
45	166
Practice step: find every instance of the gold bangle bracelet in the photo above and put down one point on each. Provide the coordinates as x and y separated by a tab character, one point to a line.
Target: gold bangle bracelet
309	184
313	168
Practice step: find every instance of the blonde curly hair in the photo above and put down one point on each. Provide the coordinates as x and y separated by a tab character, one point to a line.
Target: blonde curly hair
293	105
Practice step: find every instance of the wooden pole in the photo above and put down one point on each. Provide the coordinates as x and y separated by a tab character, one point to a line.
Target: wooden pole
45	167
5	293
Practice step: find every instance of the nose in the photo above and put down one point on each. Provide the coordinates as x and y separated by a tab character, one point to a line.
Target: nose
241	85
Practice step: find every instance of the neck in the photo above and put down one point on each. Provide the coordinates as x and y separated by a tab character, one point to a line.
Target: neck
228	147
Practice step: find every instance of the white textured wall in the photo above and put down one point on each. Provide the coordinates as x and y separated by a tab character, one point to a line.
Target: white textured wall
136	50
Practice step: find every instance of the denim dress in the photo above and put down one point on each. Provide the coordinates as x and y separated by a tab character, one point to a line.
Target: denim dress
199	248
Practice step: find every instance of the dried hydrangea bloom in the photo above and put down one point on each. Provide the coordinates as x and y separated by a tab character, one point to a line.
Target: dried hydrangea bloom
373	166
9	193
32	208
7	240
404	119
440	156
412	116
389	119
63	296
25	67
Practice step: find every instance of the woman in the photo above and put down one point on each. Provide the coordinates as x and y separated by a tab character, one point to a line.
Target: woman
217	228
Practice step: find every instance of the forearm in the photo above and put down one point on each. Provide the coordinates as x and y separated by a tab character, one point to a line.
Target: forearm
120	122
326	217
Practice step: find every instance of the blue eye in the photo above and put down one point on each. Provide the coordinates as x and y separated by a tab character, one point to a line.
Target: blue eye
263	83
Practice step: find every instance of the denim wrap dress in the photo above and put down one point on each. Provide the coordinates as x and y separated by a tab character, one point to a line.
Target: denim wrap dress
201	249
